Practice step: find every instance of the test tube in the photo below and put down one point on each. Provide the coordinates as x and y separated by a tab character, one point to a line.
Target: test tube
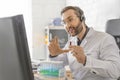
70	43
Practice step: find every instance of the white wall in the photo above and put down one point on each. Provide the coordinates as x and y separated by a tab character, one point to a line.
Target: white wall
97	12
14	7
43	12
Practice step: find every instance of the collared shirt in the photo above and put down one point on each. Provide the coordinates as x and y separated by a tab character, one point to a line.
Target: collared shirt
103	58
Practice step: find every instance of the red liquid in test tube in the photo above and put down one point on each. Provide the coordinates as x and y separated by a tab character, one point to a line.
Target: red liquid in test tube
70	43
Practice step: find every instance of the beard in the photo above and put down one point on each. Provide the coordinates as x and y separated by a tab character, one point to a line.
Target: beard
73	31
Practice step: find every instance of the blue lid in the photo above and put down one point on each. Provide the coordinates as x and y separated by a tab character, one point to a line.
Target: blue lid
57	22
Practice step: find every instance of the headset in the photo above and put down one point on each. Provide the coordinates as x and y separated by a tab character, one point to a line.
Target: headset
80	13
82	17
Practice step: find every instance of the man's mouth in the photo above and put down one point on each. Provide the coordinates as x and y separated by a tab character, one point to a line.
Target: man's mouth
71	30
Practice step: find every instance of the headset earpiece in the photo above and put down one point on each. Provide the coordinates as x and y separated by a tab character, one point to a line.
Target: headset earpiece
80	14
82	18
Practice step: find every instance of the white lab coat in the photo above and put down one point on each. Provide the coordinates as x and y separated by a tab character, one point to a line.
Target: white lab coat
103	59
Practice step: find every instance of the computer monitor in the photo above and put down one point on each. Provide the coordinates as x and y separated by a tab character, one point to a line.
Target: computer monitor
15	62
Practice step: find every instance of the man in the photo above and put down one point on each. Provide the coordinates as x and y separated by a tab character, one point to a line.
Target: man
91	55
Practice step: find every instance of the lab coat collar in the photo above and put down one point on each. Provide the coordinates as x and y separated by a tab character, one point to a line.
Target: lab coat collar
89	34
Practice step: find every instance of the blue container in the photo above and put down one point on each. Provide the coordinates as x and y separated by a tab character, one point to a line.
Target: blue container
57	22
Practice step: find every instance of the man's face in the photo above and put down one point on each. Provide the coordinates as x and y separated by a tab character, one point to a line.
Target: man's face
72	22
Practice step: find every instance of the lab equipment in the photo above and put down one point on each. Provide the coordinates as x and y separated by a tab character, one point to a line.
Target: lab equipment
51	69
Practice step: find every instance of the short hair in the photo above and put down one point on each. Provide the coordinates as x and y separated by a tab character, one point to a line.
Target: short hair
78	11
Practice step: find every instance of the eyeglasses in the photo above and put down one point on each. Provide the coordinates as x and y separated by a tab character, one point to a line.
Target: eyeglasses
69	20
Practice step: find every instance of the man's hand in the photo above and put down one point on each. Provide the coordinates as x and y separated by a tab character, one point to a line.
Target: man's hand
54	47
78	52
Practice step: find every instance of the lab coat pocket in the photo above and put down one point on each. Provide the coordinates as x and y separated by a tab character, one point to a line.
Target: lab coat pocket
92	53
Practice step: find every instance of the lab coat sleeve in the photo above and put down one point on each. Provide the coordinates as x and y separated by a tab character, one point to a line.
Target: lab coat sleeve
109	63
